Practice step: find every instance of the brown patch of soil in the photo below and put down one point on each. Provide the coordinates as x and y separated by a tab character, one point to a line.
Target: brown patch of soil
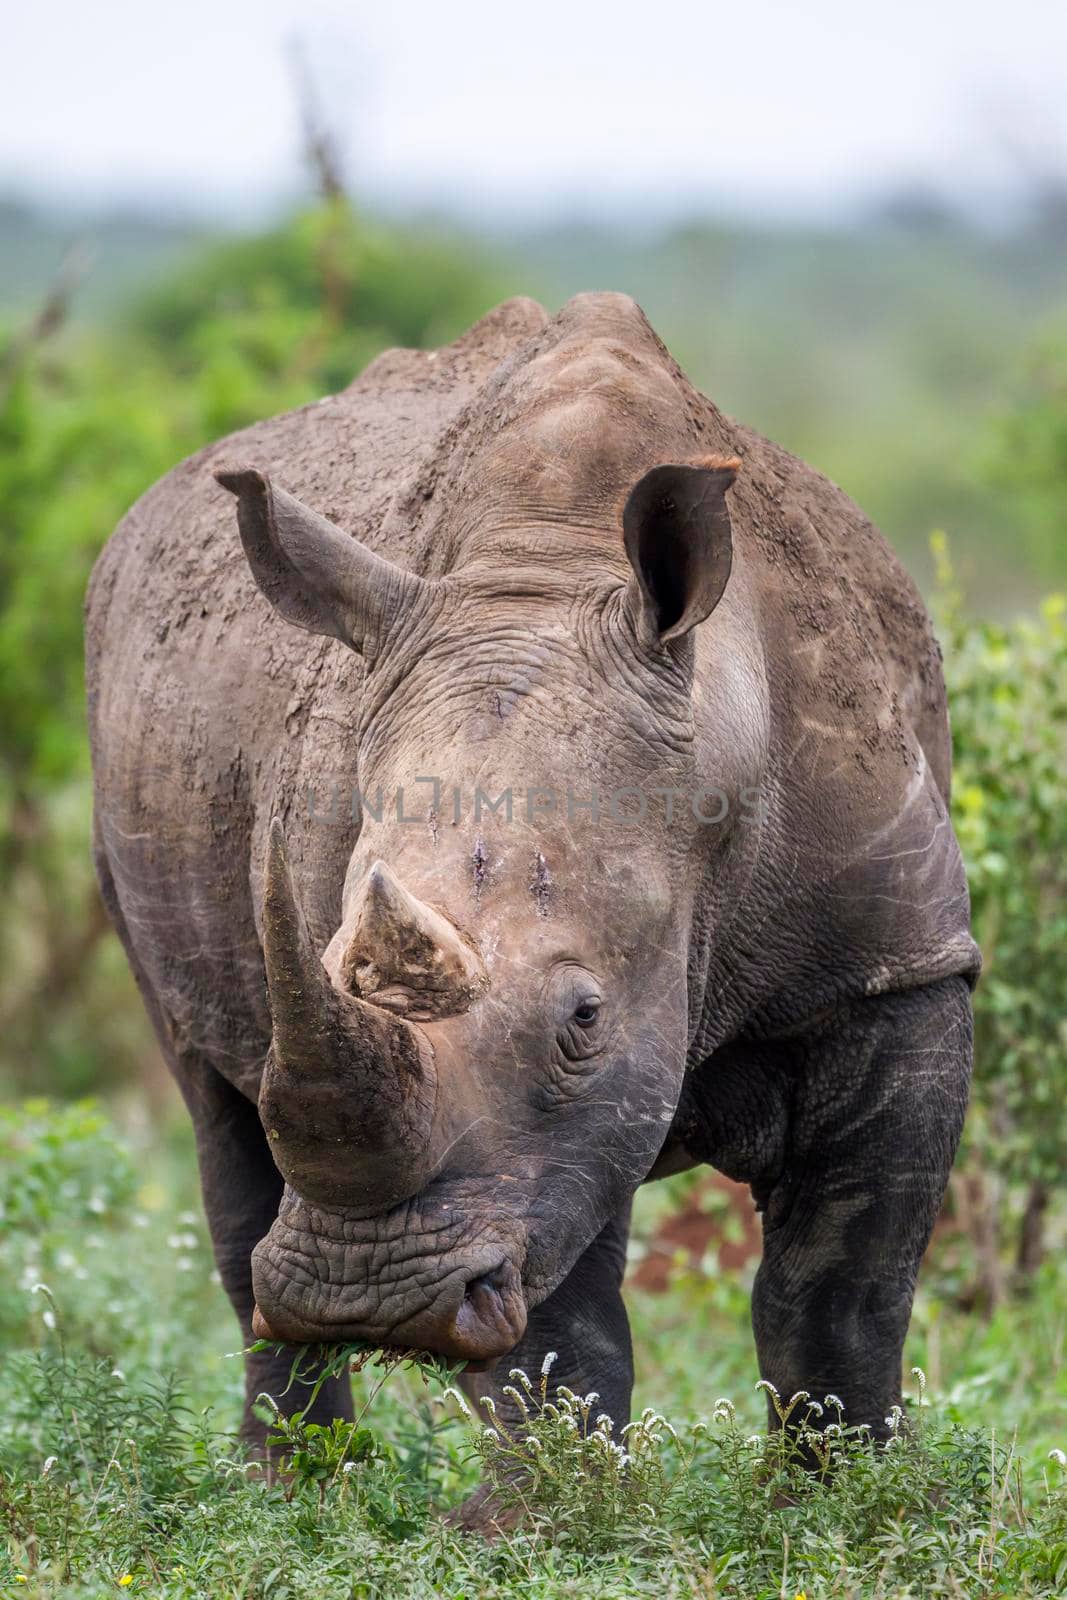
697	1230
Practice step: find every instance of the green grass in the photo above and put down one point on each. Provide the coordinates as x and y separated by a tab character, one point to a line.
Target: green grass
119	1471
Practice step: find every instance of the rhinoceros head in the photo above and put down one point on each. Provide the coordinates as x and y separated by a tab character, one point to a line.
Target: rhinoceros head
484	1063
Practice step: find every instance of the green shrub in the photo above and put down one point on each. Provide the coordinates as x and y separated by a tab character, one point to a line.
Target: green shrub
118	1461
1007	686
1029	454
61	1164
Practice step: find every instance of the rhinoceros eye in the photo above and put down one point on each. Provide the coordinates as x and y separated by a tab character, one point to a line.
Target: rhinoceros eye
577	1007
583	1035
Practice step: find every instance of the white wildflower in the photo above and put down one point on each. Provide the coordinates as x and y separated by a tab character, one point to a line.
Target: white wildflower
1058	1457
49	1319
454	1394
49	1464
548	1363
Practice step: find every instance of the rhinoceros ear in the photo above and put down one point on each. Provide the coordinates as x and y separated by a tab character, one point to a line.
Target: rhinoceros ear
313	574
676	528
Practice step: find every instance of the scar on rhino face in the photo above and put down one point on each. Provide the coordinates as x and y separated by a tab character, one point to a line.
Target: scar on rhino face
540	883
480	864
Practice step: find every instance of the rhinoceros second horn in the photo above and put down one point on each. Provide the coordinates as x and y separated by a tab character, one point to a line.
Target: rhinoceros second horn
399	953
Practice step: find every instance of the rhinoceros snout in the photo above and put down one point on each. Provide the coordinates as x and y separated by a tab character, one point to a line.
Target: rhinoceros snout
476	1316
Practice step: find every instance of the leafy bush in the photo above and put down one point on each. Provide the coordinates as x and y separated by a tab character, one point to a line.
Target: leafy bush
119	1472
135	1491
310	302
814	1503
60	1162
1030	449
1008	694
73	1199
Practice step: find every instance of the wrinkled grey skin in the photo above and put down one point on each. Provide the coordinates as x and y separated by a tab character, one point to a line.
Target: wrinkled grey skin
783	993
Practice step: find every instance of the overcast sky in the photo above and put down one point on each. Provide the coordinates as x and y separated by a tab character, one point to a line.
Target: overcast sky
757	106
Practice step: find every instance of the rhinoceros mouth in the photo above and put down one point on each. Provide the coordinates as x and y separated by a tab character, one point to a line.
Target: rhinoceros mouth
443	1284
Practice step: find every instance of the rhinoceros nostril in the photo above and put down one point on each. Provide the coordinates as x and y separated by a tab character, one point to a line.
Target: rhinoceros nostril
492	1316
486	1287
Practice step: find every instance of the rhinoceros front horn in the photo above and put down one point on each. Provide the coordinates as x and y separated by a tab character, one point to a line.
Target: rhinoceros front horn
349	1093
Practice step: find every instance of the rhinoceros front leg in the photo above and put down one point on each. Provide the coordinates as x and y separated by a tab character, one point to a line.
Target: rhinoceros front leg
242	1188
876	1112
584	1323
